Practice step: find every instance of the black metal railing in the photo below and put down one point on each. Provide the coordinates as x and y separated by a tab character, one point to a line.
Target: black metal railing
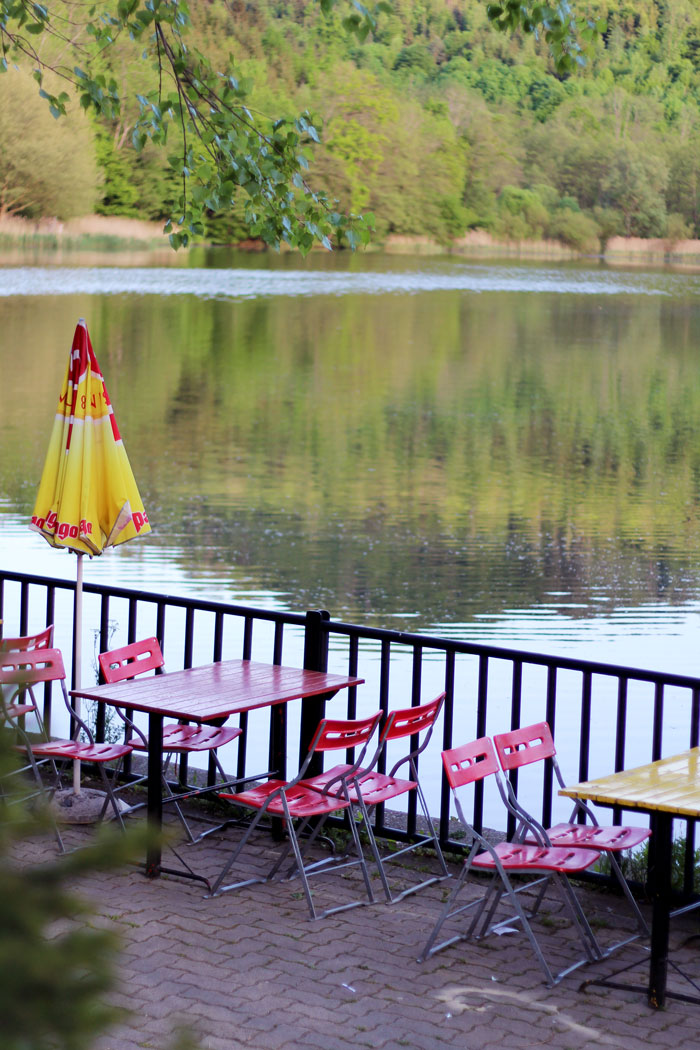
609	716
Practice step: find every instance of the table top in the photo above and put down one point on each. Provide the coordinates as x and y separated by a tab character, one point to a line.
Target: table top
671	785
217	690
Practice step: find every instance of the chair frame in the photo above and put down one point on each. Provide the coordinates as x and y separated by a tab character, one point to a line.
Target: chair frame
467	765
376	788
24	669
180	738
535	743
297	800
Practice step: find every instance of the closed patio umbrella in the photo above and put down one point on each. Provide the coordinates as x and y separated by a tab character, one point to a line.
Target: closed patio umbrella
87	498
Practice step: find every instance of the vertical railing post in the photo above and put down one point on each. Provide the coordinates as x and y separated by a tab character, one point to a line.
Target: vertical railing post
516	704
186	663
132	626
689	859
550	718
101	715
620	736
447	743
481	702
384	681
50	618
216	657
278	718
315	659
415	740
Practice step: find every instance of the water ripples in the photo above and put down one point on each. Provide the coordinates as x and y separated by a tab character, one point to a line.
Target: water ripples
241	284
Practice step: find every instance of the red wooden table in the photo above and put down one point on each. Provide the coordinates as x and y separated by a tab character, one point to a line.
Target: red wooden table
209	694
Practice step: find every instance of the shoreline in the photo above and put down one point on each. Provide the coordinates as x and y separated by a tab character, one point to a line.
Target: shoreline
113	236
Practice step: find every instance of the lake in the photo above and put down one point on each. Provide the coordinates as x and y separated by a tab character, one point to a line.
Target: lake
503	452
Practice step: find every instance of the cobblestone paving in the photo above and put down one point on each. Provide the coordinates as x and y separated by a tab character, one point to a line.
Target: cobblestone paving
249	969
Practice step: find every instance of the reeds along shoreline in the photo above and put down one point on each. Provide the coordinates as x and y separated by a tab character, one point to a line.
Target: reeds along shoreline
109	234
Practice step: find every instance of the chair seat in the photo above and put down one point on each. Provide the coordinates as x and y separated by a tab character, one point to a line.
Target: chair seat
302	800
521	857
594	836
179	739
82	752
376	787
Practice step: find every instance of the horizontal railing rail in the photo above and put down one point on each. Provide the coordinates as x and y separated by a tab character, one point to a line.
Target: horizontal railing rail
604	712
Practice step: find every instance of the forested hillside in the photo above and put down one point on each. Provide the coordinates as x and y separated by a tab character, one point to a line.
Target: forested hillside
437	124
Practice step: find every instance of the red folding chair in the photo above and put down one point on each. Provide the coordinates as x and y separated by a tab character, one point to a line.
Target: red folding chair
26	669
16	703
523	747
22	643
376	787
19	706
299	803
179	738
470	764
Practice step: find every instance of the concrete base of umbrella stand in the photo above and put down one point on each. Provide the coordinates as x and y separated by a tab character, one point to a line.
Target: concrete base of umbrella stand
85	808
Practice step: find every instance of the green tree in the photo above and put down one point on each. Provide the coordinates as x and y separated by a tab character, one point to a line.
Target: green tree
492	153
120	195
415	58
683	195
634	186
521	214
46	167
572	227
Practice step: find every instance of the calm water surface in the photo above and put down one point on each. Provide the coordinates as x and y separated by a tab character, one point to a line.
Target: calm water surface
504	452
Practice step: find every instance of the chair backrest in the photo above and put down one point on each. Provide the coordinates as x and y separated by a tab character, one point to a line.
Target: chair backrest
136	658
23	643
411	720
28	668
474	762
470	762
335	734
520	747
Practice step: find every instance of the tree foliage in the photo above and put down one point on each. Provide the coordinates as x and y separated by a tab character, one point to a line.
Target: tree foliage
226	155
423	126
46	167
566	35
223	153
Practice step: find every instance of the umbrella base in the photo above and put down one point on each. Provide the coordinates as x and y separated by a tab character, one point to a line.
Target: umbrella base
85	808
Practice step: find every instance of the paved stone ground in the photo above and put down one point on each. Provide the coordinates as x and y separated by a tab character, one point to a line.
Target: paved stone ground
249	969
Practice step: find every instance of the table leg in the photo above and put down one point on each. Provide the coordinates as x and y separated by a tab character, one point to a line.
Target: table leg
155	795
660	846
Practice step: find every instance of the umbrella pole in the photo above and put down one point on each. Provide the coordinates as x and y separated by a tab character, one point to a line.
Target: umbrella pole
77	654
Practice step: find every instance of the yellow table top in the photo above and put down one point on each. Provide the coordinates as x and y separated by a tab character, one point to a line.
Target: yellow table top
671	785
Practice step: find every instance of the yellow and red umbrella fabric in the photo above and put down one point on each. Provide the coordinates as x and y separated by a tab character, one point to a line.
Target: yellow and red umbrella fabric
87	499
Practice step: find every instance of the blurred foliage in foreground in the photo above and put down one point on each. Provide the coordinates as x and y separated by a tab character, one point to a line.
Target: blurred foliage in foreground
58	964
